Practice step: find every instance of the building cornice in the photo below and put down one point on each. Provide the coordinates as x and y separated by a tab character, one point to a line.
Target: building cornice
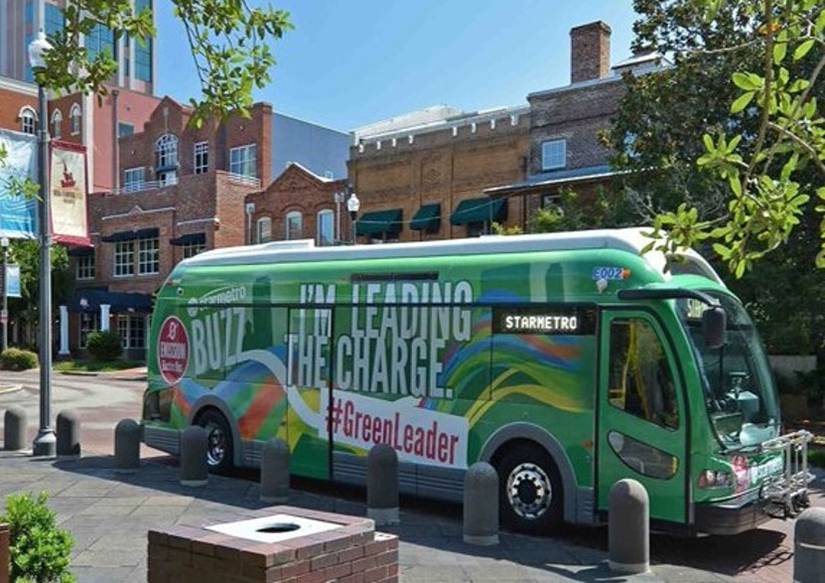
10	84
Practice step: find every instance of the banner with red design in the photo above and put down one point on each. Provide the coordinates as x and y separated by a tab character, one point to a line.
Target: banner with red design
69	194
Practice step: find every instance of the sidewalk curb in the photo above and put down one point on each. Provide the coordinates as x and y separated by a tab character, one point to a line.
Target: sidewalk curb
79	373
8	389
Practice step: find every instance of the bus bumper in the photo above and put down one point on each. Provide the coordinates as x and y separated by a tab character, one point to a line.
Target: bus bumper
730	517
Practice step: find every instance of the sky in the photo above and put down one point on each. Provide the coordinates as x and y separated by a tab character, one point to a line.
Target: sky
350	63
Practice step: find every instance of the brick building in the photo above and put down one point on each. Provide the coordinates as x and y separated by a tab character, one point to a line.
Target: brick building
421	176
182	190
442	173
18	105
566	150
298	204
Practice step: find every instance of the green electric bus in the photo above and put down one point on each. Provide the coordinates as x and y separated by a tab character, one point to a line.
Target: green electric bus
567	361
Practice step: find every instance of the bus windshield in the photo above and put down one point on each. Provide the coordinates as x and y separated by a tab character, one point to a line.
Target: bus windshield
739	391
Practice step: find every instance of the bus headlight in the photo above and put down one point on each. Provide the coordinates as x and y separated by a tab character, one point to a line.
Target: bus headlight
715	479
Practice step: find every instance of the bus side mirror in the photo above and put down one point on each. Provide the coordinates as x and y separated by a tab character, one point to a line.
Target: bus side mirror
714	324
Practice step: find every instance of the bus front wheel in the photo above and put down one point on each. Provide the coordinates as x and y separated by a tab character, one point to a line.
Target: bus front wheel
218	441
530	490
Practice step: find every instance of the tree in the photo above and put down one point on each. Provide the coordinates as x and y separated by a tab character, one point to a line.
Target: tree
26	254
658	136
766	165
229	42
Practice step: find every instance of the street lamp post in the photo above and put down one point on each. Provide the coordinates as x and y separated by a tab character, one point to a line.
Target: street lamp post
340	197
45	442
353	206
4	314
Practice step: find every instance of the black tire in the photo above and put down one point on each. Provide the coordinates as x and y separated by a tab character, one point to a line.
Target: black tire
531	499
219	441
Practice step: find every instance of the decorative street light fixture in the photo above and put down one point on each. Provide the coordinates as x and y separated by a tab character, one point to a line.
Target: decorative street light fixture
45	443
353	206
4	311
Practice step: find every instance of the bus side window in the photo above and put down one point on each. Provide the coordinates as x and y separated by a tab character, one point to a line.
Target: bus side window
641	381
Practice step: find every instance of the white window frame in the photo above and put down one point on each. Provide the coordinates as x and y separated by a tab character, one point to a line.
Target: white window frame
75	119
28	120
240	161
200	157
127	328
263	230
549	160
89	322
124	259
85	267
288	230
130	185
148	256
57	124
318	222
192	249
166	151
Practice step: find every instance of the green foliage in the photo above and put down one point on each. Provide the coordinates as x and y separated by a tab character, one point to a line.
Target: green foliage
816	457
573	211
104	346
773	168
230	43
657	134
17	359
40	551
27	255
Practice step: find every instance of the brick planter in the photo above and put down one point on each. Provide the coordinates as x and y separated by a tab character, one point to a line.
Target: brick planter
349	551
4	553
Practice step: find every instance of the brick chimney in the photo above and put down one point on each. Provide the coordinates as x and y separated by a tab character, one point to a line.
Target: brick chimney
589	51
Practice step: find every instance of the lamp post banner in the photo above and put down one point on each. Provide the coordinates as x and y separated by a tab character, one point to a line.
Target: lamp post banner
13	281
18	216
69	194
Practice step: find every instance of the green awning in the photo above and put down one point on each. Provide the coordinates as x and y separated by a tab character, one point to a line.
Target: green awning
428	218
379	224
479	210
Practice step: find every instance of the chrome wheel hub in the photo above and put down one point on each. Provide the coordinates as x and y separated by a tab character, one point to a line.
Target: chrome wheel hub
529	491
216	445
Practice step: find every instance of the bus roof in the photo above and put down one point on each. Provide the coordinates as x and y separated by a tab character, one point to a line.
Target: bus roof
302	251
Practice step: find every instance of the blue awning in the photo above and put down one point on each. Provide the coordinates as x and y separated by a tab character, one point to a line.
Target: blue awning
90	300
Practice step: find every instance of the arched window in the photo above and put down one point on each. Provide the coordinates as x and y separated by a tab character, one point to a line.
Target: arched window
325	227
294	225
75	119
57	124
28	121
263	230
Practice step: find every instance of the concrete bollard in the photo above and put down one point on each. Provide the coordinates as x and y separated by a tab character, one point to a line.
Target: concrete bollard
127	445
194	468
382	485
68	433
14	429
809	547
275	472
481	505
628	528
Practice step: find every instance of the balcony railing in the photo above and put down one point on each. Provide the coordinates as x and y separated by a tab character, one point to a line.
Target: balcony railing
149	185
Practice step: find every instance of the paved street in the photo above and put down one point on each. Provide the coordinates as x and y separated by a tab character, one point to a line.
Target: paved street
110	513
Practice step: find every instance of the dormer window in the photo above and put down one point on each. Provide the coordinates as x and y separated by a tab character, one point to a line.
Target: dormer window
166	159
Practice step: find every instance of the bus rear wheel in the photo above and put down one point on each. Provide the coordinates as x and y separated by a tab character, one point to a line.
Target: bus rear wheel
530	490
218	441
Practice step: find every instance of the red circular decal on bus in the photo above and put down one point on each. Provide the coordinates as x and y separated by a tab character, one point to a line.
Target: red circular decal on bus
173	350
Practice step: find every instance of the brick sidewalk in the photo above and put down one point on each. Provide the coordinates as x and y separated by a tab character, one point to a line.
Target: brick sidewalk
109	515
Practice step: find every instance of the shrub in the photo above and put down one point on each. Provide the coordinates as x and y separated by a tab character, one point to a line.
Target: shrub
17	359
816	457
39	550
104	345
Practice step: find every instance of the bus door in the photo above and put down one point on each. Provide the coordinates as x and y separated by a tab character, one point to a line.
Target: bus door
309	373
642	420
